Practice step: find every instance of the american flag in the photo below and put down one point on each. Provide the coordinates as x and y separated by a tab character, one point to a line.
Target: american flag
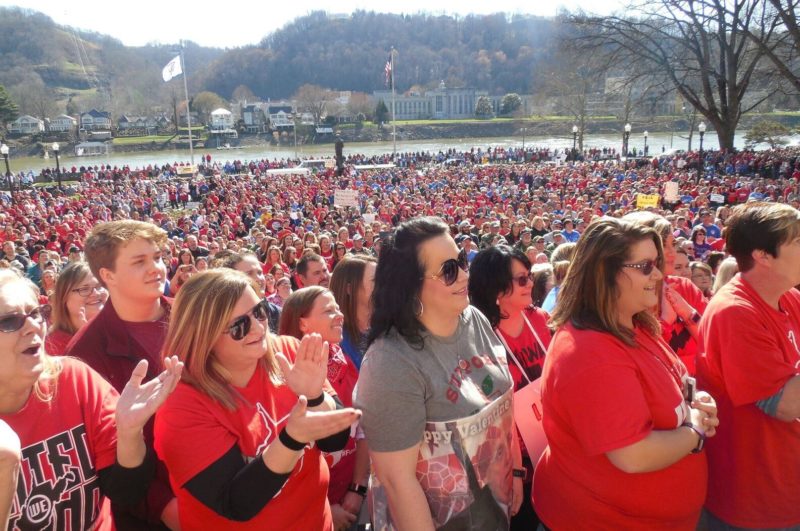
387	70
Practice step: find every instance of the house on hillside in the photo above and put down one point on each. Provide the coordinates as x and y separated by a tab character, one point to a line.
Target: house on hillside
127	121
281	121
26	125
254	118
194	116
221	119
95	120
146	124
62	123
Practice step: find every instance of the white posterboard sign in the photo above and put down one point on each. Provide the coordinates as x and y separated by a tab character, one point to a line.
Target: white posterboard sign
717	198
369	218
671	192
346	198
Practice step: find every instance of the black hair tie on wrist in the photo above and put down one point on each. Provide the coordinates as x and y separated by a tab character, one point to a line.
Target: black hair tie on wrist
314	402
290	442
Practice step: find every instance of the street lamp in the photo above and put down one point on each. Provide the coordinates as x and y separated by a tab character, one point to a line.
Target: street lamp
645	143
574	140
4	152
702	129
625	138
58	166
523	131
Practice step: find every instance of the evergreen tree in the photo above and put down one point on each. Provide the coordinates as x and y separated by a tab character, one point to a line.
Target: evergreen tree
8	109
510	103
381	113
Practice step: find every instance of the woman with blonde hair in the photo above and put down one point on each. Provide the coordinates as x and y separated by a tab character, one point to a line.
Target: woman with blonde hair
78	298
49	280
727	270
81	441
702	277
274	257
236	435
624	428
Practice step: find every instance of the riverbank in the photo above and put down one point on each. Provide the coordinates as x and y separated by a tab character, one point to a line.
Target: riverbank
425	130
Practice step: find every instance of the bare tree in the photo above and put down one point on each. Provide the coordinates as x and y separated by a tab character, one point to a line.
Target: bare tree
697	44
571	84
243	93
313	99
361	104
776	32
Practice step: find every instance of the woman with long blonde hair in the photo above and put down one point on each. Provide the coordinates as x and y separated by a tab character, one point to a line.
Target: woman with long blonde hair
236	436
81	441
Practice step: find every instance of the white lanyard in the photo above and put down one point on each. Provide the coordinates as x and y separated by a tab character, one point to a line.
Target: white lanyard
510	353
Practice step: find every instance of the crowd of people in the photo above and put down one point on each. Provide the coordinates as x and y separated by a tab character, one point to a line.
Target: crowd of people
512	341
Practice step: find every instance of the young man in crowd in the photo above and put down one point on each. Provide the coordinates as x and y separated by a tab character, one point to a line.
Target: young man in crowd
312	270
751	366
125	257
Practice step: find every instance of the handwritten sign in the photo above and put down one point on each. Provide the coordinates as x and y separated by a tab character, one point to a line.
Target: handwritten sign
346	198
647	200
671	192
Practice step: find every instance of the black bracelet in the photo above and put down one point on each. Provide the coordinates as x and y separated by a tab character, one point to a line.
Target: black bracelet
361	490
290	442
314	402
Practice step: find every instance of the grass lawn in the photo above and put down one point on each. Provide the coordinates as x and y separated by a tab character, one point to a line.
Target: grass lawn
128	140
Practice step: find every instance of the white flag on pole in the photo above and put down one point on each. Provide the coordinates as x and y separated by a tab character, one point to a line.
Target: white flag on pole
172	69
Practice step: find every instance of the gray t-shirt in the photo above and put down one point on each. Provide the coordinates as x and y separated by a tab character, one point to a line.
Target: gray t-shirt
401	388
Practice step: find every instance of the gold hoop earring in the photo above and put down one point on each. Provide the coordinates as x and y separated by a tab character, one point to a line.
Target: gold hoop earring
418	311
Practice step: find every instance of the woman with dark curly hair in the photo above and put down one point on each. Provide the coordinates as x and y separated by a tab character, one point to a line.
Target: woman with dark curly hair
500	285
436	392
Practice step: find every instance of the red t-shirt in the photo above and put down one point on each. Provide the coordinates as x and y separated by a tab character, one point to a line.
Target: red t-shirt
56	342
598	395
64	443
529	354
192	431
750	353
526	349
676	334
342	375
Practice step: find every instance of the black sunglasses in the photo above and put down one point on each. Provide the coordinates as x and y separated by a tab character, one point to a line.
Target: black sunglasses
15	321
448	273
522	280
645	267
241	326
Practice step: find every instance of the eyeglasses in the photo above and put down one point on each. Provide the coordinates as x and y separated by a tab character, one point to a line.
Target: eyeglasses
15	321
448	273
241	326
645	267
85	291
522	280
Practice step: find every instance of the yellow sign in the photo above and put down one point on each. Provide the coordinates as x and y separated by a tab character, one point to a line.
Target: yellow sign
647	201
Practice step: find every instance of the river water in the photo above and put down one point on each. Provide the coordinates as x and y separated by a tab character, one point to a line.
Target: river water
656	141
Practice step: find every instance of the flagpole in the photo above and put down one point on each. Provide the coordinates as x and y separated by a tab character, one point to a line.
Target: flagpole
188	111
394	107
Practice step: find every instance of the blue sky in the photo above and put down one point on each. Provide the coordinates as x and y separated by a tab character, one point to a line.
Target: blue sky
167	21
